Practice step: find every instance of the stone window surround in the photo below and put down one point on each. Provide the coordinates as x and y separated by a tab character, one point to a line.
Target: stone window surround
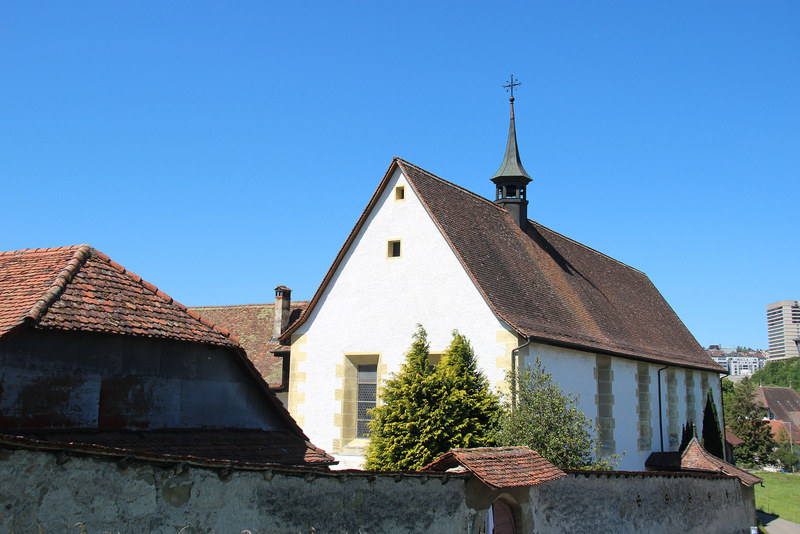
604	400
347	398
644	407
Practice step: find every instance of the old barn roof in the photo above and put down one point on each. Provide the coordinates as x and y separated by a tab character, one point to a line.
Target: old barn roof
252	324
499	467
783	402
732	438
544	285
80	288
241	446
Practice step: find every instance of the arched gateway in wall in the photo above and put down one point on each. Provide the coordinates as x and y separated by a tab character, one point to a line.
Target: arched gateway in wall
500	519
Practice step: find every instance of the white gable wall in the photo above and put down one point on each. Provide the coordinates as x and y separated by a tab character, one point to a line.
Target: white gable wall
373	304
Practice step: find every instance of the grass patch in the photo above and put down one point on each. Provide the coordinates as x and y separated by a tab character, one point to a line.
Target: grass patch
780	496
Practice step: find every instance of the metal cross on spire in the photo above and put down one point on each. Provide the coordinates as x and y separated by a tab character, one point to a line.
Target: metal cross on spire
510	87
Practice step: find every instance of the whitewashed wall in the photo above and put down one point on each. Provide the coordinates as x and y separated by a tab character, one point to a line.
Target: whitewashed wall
374	303
574	371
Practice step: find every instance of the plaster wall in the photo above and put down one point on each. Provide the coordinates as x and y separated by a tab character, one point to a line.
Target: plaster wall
95	496
64	379
373	305
574	371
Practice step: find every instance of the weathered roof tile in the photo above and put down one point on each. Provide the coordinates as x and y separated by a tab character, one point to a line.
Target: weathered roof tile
696	458
236	445
76	288
252	324
500	467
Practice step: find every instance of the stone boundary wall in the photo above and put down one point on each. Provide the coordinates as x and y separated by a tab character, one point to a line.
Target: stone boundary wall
643	503
43	493
96	496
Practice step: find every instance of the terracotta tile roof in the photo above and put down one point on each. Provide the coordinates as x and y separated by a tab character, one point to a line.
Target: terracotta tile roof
500	467
544	285
783	402
732	438
696	458
252	324
238	446
79	288
781	429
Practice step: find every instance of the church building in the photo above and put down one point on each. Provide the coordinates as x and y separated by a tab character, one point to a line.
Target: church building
426	251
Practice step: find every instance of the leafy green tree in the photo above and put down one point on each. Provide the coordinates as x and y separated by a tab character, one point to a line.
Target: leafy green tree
712	435
786	458
548	421
784	454
746	421
426	412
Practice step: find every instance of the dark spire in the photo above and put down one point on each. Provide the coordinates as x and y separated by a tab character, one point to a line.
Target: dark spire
512	178
512	166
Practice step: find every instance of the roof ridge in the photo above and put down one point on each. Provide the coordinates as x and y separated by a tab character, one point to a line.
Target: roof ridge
211	306
160	294
214	306
479	197
37	250
449	183
590	249
67	273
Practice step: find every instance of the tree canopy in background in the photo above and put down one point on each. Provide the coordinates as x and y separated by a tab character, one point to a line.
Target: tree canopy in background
784	454
548	421
727	398
779	373
745	418
426	411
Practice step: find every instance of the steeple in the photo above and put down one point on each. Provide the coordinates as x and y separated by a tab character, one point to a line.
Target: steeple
511	178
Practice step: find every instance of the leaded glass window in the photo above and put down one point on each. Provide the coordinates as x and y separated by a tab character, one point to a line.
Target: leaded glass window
367	392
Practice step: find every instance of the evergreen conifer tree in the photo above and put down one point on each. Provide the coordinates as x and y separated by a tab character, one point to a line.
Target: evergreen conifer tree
712	436
688	432
425	413
467	411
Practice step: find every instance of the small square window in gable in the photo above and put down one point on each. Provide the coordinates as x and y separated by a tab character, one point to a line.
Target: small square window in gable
399	193
434	358
393	249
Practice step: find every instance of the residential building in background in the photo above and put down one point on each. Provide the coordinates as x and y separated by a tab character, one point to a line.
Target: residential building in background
783	411
737	363
783	327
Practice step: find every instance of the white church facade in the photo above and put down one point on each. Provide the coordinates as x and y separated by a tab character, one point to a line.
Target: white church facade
428	252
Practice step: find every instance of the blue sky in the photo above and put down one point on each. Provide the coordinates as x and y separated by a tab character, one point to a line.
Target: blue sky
219	149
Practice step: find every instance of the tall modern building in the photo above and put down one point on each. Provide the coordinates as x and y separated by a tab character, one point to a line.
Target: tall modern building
783	326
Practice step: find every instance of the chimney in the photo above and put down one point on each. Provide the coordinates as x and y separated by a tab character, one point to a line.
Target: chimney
283	302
